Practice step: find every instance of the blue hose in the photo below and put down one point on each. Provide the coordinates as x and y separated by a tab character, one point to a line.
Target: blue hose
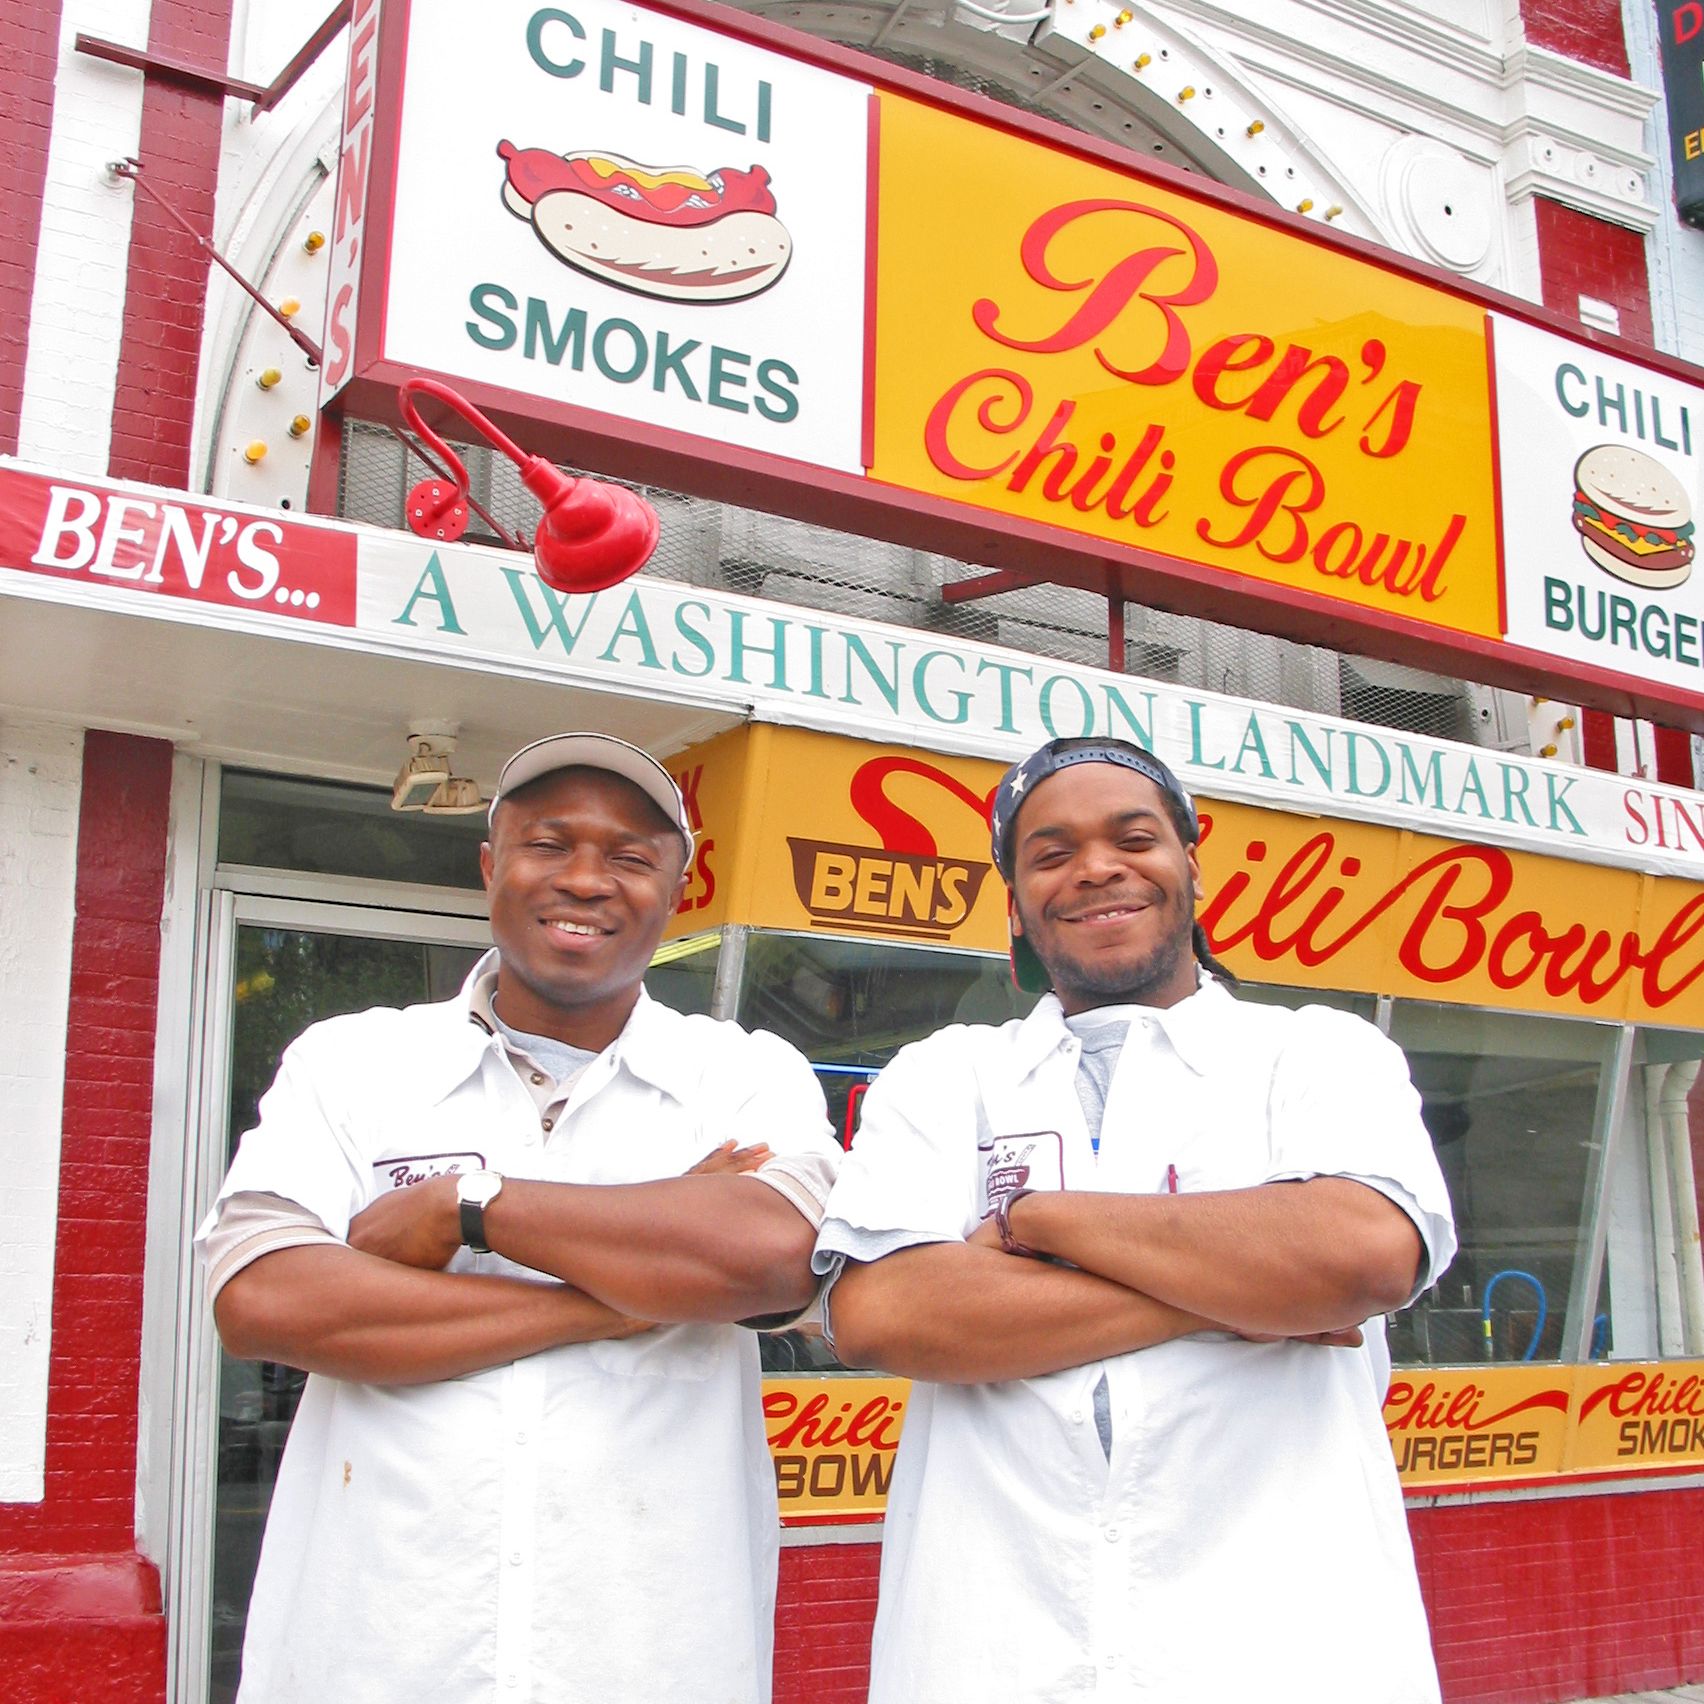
1485	1309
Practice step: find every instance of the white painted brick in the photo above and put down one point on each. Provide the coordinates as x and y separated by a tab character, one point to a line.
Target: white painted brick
77	310
40	780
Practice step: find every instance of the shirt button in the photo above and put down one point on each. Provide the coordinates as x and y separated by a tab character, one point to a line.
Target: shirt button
514	1558
1111	1538
1076	1417
538	1077
520	1437
511	1680
549	1123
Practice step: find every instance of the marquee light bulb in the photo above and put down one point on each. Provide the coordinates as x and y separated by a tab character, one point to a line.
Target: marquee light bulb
1186	93
314	241
268	377
300	426
1305	205
289	307
255	452
1122	19
1333	211
1256	126
1097	32
1142	61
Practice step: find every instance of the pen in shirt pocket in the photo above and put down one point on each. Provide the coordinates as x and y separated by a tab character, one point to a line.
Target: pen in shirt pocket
1171	1180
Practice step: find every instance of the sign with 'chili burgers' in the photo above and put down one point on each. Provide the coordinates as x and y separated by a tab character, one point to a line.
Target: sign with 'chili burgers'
1598	481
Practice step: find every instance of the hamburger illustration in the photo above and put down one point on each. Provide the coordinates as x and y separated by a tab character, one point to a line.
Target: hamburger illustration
1633	516
672	233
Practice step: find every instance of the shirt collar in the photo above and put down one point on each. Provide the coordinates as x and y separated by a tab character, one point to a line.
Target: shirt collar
648	1046
1193	1026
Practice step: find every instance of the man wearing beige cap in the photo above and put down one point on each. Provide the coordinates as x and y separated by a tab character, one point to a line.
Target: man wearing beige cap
529	1463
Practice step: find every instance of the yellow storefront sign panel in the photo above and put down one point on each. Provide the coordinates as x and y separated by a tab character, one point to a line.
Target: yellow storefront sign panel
1636	1419
832	1441
1061	341
809	831
1450	1426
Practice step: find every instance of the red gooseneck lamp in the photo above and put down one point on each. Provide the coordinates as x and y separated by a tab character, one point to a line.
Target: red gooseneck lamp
593	534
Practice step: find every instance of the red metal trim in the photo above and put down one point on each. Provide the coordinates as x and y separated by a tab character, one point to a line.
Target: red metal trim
177	69
325	464
132	169
872	192
390	60
170	66
991	585
1496	479
306	54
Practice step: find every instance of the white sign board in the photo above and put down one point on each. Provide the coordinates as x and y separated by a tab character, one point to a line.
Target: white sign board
606	207
1600	489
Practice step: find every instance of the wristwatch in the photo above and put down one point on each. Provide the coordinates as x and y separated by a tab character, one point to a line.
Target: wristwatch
475	1191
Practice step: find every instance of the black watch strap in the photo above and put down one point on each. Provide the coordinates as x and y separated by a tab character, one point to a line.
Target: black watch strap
473	1226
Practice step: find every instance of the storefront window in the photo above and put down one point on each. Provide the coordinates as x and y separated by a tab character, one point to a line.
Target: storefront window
325	828
1651	1296
1518	1109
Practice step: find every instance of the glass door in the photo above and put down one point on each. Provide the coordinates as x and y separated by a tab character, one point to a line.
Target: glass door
276	966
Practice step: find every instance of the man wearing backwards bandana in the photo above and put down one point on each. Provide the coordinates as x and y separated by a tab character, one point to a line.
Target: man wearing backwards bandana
1125	1245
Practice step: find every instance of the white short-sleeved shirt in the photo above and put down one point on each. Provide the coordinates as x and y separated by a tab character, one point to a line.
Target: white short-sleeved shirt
1248	1530
591	1523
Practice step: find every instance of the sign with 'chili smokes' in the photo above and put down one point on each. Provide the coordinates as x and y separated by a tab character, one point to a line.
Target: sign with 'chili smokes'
631	214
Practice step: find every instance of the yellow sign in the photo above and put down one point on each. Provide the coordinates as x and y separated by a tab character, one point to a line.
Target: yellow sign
811	831
1467	1426
1094	351
832	1440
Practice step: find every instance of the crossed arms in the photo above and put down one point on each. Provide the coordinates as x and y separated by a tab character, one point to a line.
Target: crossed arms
710	1246
1309	1259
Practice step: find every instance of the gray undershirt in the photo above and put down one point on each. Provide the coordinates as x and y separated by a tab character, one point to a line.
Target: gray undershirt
557	1059
1100	1036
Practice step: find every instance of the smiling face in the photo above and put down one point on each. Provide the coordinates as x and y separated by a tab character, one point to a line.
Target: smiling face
582	873
1104	890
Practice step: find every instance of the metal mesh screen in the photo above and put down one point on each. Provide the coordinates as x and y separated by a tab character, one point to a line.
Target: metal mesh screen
706	543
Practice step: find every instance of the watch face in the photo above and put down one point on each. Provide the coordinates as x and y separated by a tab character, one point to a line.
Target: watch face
478	1188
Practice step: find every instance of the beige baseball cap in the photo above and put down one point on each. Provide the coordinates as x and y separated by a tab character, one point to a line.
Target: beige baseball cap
595	751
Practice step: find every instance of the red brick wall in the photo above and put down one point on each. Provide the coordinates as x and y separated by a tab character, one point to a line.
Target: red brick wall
1576	1597
31	34
79	1610
1587	30
823	1615
166	291
1582	255
1530	1602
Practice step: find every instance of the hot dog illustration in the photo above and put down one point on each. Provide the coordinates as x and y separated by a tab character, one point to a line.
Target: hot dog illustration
673	233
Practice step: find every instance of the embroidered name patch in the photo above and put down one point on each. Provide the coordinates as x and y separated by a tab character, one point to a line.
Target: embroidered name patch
1034	1159
407	1169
